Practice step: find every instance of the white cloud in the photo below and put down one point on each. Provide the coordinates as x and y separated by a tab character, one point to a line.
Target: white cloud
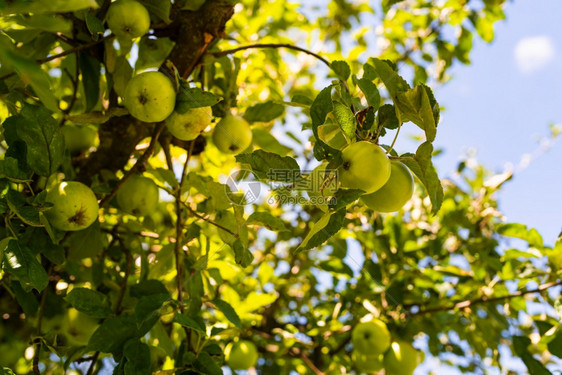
534	53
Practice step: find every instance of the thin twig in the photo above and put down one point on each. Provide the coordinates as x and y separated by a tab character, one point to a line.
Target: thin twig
38	345
144	157
272	45
198	215
486	299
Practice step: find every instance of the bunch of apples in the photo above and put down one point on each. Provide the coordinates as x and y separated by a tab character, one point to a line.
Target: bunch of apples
149	97
374	350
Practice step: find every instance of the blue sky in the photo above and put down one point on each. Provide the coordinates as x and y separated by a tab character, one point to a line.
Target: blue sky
503	103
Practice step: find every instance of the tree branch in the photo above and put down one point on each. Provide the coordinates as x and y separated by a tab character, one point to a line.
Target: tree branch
272	45
486	299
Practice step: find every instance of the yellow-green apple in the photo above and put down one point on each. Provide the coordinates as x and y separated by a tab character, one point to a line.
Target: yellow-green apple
75	206
395	193
78	327
365	167
370	338
241	355
401	359
321	187
232	135
187	126
128	19
138	196
367	364
150	96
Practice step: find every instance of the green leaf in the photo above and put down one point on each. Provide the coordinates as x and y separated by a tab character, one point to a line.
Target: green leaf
520	345
228	311
28	214
147	307
26	300
89	302
113	333
186	321
193	97
464	46
153	52
371	92
341	68
138	358
6	371
415	107
242	255
323	230
159	8
520	231
268	220
422	167
90	68
20	261
207	365
386	117
121	75
9	169
86	243
345	118
47	6
95	26
267	165
266	141
343	197
147	288
264	112
392	80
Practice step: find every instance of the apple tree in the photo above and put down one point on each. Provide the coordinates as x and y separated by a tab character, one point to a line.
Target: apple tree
205	186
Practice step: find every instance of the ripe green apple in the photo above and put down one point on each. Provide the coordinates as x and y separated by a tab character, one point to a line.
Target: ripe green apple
128	19
395	193
138	196
79	138
232	135
321	188
401	359
370	338
241	355
365	167
75	206
366	363
187	126
150	97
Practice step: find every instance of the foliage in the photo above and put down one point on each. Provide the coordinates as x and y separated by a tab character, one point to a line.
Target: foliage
211	265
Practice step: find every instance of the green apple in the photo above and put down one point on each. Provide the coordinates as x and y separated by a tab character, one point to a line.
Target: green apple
370	338
79	138
241	355
75	206
138	196
187	126
232	135
365	167
78	327
401	359
321	188
128	19
150	97
395	193
367	364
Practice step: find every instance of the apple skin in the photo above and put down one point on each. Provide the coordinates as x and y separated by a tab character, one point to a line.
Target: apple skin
78	327
128	19
367	364
241	355
232	135
321	191
187	126
79	138
395	193
75	206
370	338
401	359
150	97
138	196
365	167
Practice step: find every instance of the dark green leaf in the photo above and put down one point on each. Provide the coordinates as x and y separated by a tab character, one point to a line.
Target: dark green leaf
95	26
343	197
387	117
392	81
9	169
267	142
147	288
323	230
193	97
186	321
26	300
341	68
207	365
302	99
371	92
138	358
517	230
86	243
20	262
264	112
228	311
415	107
267	165
113	333
520	345
89	302
147	307
153	52
159	8
90	68
268	220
